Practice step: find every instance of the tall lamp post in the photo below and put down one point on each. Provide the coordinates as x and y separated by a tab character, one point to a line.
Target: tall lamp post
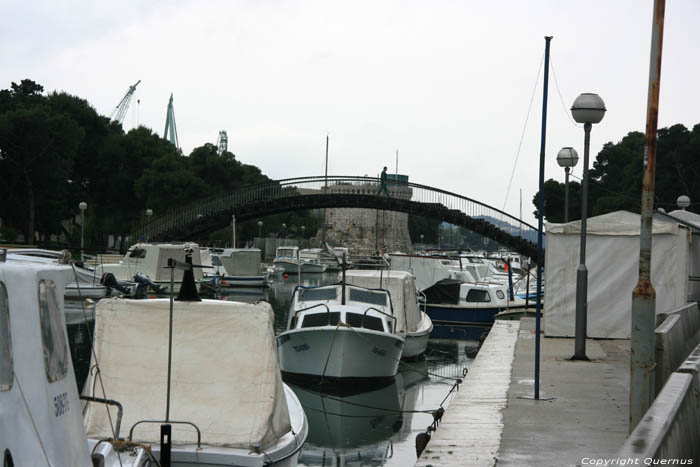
260	224
587	109
149	213
83	207
567	158
233	230
284	230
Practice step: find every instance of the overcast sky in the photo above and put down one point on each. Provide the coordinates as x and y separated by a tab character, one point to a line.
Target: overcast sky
447	83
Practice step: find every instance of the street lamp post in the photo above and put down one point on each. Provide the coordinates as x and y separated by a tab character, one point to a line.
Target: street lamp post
149	213
587	109
567	158
422	245
233	229
83	207
260	224
303	232
284	230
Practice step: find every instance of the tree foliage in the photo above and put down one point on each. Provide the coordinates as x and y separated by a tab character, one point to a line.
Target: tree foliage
616	176
56	151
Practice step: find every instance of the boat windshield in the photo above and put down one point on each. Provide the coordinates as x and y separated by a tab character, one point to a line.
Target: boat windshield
310	295
368	296
137	253
286	252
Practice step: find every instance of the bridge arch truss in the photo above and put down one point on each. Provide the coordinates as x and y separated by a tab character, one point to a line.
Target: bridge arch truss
205	215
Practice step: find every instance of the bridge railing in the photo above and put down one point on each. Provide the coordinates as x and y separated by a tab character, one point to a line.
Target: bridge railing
332	184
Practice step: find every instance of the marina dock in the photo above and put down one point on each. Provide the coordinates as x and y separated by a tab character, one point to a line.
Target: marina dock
581	415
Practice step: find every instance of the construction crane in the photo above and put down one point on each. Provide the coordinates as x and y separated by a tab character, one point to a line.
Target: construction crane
119	112
222	143
170	132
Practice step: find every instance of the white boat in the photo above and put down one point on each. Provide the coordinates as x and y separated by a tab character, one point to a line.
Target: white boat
404	297
85	283
242	268
41	421
340	332
288	258
151	259
226	401
319	255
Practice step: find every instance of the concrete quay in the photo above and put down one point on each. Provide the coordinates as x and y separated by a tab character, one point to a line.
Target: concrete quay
580	418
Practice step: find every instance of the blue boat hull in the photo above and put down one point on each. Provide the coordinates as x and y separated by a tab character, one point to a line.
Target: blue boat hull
454	314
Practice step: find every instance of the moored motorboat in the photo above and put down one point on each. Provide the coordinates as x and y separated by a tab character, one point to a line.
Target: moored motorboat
404	297
40	418
151	259
225	401
242	268
340	332
459	304
288	258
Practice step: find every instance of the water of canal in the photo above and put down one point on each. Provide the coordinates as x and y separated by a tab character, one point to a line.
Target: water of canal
374	428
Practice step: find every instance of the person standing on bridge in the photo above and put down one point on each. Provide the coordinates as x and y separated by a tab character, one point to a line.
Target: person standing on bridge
382	183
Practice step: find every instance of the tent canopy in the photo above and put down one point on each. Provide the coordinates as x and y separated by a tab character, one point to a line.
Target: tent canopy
612	260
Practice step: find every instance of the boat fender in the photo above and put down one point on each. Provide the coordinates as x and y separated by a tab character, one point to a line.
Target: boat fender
98	460
422	440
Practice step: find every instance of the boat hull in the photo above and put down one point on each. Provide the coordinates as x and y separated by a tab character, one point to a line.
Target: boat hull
447	314
241	281
339	353
284	453
417	341
291	267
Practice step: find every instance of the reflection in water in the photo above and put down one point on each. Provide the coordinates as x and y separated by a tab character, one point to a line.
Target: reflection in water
377	427
347	429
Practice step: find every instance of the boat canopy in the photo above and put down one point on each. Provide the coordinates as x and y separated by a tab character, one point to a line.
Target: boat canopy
241	261
445	291
402	288
225	373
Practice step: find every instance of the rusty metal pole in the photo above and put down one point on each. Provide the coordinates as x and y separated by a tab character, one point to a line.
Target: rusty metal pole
644	295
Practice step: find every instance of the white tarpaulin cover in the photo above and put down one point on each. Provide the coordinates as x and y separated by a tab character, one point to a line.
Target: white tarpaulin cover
225	372
612	260
402	287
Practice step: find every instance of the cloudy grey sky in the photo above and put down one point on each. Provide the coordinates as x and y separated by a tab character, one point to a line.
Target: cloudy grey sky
447	83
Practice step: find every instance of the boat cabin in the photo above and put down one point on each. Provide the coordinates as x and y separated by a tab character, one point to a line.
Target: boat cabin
480	295
152	259
287	252
321	306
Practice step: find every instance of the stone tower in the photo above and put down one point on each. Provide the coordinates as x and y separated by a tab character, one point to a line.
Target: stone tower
365	231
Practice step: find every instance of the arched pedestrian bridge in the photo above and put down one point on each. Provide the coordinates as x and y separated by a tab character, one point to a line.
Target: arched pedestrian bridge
206	215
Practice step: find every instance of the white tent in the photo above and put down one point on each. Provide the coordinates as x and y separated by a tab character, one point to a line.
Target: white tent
612	260
692	221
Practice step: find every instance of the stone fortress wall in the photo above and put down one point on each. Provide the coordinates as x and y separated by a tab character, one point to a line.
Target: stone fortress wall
365	231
